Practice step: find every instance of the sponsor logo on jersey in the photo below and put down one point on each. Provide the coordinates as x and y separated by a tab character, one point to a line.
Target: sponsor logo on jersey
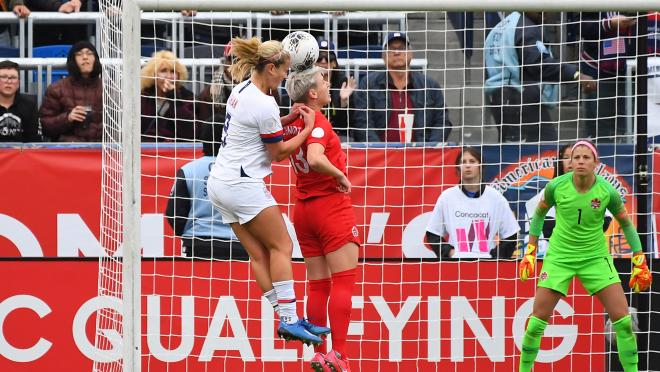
469	214
595	203
544	276
318	132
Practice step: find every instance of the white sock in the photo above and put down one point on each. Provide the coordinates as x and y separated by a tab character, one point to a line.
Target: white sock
286	299
272	298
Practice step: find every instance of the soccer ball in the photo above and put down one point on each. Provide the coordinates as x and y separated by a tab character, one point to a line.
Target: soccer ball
303	49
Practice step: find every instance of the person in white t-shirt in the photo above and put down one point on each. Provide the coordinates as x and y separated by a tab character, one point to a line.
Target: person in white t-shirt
468	217
252	139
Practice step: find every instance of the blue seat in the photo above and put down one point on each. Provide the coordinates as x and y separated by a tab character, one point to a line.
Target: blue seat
147	50
361	51
7	52
52	51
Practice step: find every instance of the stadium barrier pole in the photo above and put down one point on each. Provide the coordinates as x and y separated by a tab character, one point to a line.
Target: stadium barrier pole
410	5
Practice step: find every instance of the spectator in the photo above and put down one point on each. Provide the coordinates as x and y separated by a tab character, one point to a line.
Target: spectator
168	111
341	89
383	95
467	217
72	108
19	120
608	39
191	214
20	10
213	98
49	34
71	6
518	66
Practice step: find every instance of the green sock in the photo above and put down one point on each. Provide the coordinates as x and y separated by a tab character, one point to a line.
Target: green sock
531	343
626	343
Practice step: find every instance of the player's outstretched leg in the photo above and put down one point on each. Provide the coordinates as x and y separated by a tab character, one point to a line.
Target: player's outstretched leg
531	343
315	329
626	343
297	331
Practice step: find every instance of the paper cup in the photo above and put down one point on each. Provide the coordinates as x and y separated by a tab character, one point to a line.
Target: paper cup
406	127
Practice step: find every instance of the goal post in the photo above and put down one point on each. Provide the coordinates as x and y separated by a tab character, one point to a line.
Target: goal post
122	230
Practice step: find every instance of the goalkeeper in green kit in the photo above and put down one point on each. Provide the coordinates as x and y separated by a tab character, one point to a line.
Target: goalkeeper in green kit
578	248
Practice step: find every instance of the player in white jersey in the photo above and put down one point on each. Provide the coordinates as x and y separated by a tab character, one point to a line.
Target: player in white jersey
252	138
468	217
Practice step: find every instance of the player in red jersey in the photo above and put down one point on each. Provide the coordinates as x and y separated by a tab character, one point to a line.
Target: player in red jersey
324	219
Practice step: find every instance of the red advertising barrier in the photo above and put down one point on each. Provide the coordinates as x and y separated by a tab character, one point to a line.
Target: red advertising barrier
407	316
51	207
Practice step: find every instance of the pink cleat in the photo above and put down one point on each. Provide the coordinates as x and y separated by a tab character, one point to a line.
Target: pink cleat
318	363
336	363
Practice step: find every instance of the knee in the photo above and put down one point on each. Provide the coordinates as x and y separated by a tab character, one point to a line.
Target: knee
260	258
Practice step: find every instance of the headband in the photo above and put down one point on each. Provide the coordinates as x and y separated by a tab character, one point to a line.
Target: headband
587	144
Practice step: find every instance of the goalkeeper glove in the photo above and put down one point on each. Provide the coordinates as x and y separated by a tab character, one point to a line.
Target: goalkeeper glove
526	266
641	279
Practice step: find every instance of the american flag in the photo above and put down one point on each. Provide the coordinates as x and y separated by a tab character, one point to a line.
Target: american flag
614	46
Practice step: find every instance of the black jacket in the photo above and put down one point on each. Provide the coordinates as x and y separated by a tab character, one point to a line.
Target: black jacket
538	64
20	122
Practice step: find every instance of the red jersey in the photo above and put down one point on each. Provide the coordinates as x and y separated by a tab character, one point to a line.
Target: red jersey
308	182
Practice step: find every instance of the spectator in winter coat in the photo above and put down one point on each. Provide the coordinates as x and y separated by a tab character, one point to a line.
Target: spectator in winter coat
383	95
168	108
72	109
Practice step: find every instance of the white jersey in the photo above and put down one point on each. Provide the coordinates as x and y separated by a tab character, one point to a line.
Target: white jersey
472	223
252	119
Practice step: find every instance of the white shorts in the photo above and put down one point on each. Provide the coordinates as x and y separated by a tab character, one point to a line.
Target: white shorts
239	201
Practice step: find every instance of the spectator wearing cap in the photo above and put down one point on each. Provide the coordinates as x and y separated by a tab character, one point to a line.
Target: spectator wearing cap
72	107
383	95
341	90
19	119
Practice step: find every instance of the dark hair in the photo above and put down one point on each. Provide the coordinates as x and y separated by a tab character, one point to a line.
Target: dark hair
7	64
559	164
72	66
472	151
210	135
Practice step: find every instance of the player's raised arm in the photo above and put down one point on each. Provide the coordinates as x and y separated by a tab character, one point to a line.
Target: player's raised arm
641	277
281	150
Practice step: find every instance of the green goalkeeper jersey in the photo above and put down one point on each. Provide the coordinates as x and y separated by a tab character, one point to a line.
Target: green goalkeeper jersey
578	233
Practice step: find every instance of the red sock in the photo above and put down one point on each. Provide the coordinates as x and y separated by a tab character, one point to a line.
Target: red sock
340	306
318	292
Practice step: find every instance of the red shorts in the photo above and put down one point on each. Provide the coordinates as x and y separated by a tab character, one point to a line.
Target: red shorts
325	224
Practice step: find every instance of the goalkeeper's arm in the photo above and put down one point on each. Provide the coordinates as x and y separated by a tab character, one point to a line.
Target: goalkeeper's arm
528	262
641	277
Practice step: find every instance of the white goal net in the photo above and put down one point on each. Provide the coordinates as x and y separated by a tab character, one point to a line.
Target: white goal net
193	302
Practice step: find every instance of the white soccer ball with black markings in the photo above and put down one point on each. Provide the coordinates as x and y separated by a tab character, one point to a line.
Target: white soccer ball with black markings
303	49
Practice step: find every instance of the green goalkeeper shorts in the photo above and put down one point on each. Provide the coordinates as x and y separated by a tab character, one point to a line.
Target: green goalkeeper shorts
594	274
